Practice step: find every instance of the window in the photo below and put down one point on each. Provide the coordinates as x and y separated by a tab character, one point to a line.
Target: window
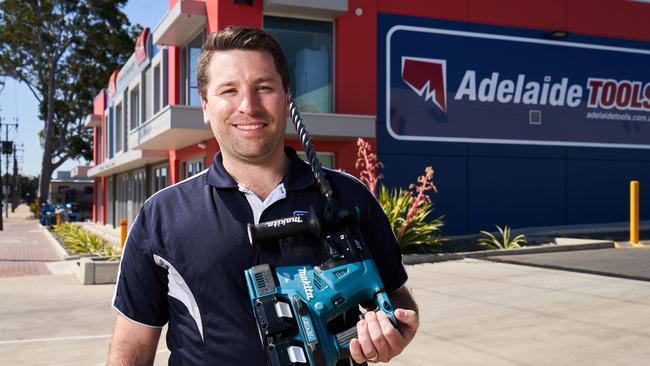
135	107
159	180
107	133
191	167
308	45
118	128
136	193
110	203
189	58
326	158
146	104
125	120
110	134
99	157
156	89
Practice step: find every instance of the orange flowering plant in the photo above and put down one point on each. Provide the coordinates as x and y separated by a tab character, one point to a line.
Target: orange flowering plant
407	209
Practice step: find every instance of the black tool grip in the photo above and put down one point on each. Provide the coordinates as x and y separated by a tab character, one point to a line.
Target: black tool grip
344	338
283	228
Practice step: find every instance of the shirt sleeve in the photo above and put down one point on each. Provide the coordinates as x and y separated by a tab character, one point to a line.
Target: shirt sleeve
141	289
383	246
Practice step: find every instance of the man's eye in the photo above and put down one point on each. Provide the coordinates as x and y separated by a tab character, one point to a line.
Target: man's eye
229	91
264	87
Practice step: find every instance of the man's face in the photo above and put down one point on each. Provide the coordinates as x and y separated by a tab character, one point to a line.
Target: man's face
246	106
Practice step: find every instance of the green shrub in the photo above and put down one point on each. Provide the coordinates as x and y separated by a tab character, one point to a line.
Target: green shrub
490	241
414	233
33	208
79	241
407	209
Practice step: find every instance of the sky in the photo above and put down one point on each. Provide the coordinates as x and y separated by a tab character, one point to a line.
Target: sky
17	103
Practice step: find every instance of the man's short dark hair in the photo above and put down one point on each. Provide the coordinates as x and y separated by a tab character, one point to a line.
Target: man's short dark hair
239	38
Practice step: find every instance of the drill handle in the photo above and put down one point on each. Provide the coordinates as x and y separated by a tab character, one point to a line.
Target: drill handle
285	227
344	338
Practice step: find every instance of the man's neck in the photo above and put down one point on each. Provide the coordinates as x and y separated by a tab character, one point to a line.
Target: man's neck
259	178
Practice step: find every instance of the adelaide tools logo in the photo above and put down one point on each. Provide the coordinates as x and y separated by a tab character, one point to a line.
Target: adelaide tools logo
428	78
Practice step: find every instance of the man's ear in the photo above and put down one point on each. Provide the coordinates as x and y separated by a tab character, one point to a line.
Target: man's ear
206	114
288	105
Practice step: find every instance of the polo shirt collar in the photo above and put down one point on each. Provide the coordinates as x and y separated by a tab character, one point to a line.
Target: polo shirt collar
299	176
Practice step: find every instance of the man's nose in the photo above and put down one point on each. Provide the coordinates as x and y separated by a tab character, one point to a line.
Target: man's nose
249	103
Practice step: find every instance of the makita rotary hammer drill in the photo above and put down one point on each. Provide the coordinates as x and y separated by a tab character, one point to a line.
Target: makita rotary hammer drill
293	305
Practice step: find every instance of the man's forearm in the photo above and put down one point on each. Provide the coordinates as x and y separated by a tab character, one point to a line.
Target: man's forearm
403	299
119	356
128	353
132	344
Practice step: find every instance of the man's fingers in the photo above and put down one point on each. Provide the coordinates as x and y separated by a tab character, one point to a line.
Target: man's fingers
367	348
355	351
377	335
391	334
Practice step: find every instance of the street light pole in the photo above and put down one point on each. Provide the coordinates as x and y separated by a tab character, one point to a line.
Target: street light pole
7	148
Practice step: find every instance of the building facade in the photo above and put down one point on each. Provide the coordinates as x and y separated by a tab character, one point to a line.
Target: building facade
149	133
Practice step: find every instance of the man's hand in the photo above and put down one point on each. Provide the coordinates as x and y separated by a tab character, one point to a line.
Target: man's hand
377	339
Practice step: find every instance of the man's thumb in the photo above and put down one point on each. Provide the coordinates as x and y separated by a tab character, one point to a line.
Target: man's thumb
409	318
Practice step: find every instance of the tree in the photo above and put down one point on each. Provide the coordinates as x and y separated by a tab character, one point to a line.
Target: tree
64	51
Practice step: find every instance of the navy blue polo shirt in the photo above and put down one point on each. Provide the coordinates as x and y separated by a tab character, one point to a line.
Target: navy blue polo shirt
186	253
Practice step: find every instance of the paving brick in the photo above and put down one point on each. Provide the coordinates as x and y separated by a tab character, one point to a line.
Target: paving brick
24	249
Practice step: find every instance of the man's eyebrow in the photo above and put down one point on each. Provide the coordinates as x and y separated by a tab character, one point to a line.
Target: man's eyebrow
263	79
226	83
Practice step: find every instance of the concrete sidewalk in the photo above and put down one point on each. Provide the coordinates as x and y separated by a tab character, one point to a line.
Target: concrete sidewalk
481	313
472	313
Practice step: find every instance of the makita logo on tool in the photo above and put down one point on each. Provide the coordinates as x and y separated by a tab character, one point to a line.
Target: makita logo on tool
306	284
427	78
282	222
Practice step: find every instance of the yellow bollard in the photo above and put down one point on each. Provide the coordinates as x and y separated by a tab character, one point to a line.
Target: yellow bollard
58	218
123	224
634	212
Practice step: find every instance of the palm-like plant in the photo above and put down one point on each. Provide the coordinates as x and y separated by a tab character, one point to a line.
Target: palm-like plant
407	210
412	229
490	241
79	241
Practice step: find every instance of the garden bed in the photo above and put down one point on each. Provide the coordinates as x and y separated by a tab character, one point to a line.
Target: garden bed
97	270
89	251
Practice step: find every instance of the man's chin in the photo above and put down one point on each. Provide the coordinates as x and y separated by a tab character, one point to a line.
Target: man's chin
258	157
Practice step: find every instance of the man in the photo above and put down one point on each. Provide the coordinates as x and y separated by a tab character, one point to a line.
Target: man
186	253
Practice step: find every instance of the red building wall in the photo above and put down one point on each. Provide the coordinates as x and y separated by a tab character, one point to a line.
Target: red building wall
222	13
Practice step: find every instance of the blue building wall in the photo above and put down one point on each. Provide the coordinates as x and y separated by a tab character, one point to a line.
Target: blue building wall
482	185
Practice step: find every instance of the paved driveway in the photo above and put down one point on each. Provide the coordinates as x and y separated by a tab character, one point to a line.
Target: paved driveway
485	313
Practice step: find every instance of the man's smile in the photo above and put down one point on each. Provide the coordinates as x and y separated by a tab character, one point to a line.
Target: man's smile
250	126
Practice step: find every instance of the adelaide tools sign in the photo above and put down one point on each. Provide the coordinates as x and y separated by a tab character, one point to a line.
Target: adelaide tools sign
446	84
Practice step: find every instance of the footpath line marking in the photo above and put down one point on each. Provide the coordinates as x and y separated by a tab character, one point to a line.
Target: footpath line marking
55	339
